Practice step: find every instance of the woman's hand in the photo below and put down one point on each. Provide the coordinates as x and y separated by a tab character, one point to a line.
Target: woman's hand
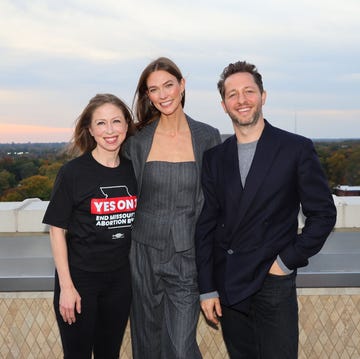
70	301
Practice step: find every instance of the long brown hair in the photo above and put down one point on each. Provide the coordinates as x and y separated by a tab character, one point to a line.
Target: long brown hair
145	112
82	141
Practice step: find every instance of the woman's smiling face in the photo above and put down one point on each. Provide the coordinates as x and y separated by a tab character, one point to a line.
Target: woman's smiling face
165	91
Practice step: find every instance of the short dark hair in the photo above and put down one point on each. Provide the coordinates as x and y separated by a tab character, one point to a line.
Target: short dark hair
239	66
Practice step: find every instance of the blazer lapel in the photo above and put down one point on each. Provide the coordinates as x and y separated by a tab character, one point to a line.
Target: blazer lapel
148	137
265	153
196	140
145	139
231	177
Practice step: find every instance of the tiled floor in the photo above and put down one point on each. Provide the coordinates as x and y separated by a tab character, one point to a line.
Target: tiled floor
329	327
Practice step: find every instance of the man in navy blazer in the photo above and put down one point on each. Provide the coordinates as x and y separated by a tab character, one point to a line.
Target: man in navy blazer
248	247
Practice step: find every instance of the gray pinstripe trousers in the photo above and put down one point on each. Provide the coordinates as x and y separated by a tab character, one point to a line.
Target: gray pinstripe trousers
165	307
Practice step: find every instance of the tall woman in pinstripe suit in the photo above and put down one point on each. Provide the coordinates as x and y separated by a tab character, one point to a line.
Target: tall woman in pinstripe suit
166	153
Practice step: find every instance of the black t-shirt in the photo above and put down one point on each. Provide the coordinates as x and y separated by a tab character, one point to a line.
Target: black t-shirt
96	205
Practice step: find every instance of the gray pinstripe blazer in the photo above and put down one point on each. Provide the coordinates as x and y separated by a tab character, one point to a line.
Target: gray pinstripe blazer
147	228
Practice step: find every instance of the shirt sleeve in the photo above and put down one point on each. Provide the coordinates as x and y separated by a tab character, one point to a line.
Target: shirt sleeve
209	295
283	267
60	207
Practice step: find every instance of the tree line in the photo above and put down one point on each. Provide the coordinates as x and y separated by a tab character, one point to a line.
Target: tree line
29	170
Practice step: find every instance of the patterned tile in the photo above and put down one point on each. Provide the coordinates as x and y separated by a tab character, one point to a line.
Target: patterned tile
329	327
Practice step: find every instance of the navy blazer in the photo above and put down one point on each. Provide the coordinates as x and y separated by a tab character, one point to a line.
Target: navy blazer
241	231
150	230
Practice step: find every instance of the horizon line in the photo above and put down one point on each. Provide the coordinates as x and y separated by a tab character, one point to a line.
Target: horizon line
222	134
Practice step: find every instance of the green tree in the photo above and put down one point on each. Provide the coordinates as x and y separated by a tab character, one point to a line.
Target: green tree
7	180
27	168
50	170
352	173
336	166
32	187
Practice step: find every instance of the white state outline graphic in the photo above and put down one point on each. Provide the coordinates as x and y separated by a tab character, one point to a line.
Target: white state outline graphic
106	195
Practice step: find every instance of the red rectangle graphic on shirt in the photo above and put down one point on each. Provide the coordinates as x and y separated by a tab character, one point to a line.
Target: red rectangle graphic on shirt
113	205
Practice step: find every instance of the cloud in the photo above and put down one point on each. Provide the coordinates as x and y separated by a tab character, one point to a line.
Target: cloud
35	107
317	123
69	31
31	133
350	78
113	30
62	53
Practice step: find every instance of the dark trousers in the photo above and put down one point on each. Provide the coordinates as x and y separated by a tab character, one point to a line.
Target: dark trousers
270	329
105	307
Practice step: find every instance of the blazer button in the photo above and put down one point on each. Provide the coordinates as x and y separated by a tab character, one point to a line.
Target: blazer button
230	251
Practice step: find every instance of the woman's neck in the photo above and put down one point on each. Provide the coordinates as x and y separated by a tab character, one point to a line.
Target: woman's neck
107	159
173	123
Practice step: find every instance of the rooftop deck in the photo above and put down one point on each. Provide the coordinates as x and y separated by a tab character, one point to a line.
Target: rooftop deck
26	263
328	290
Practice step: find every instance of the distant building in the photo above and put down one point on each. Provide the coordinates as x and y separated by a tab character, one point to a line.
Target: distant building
343	190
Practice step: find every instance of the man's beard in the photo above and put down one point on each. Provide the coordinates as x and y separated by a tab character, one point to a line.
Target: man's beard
253	122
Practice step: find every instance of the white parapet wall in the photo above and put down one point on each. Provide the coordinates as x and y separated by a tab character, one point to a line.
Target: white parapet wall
27	216
348	211
8	216
30	216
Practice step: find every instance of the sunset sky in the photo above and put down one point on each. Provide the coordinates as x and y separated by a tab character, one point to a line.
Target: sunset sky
56	55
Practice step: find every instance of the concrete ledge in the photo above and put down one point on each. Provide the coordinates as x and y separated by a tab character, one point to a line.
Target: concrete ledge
348	211
27	216
336	265
26	274
30	216
8	216
26	263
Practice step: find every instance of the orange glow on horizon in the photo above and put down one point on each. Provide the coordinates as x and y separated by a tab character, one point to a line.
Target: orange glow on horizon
30	133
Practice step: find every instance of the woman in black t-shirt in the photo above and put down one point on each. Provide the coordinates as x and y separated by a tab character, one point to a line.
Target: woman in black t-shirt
90	214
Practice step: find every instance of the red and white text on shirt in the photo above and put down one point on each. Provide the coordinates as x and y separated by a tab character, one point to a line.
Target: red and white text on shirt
113	205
